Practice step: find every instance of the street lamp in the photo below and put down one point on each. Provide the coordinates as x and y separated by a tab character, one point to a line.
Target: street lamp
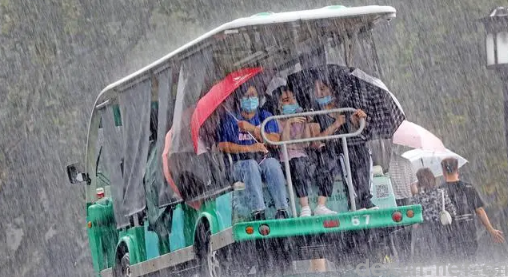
496	42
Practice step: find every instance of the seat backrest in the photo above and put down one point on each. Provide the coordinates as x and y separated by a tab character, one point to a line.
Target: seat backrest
382	192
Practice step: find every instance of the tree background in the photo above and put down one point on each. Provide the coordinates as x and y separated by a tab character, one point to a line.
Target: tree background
56	56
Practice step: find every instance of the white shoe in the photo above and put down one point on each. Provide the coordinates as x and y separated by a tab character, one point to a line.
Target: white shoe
323	210
238	186
370	209
305	211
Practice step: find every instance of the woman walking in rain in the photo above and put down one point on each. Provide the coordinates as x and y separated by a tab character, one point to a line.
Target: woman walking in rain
468	203
430	239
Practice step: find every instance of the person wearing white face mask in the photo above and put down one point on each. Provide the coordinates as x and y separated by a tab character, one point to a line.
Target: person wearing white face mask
300	164
240	136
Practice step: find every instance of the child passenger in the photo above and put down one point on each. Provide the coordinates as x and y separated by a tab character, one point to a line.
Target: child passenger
300	164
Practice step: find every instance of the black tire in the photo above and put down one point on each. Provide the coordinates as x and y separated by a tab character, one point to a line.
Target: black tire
209	261
123	268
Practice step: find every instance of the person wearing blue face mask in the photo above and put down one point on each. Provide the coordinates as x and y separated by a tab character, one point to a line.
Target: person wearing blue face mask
240	136
332	124
301	166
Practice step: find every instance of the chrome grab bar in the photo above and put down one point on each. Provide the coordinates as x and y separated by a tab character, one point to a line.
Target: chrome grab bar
286	142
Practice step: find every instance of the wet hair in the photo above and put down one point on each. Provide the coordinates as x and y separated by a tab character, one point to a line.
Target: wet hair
255	82
450	165
238	94
426	178
323	80
277	93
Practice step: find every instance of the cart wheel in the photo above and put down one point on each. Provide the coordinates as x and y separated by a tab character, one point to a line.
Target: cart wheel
209	261
124	267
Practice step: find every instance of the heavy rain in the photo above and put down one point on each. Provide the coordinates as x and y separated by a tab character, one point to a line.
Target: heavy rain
180	169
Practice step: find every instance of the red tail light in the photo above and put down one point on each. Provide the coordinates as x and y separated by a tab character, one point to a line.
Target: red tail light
100	193
331	223
264	230
397	216
249	230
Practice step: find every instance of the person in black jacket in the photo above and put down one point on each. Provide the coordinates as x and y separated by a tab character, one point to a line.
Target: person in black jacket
468	203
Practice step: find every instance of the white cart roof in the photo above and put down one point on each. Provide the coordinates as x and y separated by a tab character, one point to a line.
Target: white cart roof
266	18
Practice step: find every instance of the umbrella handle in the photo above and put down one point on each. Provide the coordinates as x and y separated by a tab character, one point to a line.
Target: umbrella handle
230	113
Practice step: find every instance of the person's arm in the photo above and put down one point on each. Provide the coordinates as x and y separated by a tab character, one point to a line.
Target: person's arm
165	157
271	130
478	207
333	127
285	125
414	188
314	130
233	148
270	136
497	235
286	128
355	118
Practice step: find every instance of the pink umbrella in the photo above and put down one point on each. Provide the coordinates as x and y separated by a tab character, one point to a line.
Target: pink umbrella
415	136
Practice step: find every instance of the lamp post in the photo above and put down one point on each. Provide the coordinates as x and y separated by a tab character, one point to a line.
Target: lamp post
496	42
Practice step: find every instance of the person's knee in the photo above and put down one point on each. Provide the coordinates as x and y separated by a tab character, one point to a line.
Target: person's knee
248	169
271	162
251	166
272	166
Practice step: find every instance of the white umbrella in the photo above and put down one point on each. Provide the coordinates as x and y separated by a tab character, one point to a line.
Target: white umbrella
432	159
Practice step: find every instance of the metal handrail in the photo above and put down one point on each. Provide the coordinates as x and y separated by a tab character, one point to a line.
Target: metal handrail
275	117
303	140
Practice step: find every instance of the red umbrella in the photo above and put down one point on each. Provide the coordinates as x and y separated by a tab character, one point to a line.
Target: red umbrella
217	94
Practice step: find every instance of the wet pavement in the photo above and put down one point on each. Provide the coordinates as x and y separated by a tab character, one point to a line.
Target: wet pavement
413	270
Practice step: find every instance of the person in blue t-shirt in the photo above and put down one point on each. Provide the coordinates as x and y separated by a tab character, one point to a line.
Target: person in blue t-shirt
240	135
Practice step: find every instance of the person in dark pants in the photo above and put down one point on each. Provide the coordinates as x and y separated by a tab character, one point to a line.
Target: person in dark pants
468	203
301	165
359	155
